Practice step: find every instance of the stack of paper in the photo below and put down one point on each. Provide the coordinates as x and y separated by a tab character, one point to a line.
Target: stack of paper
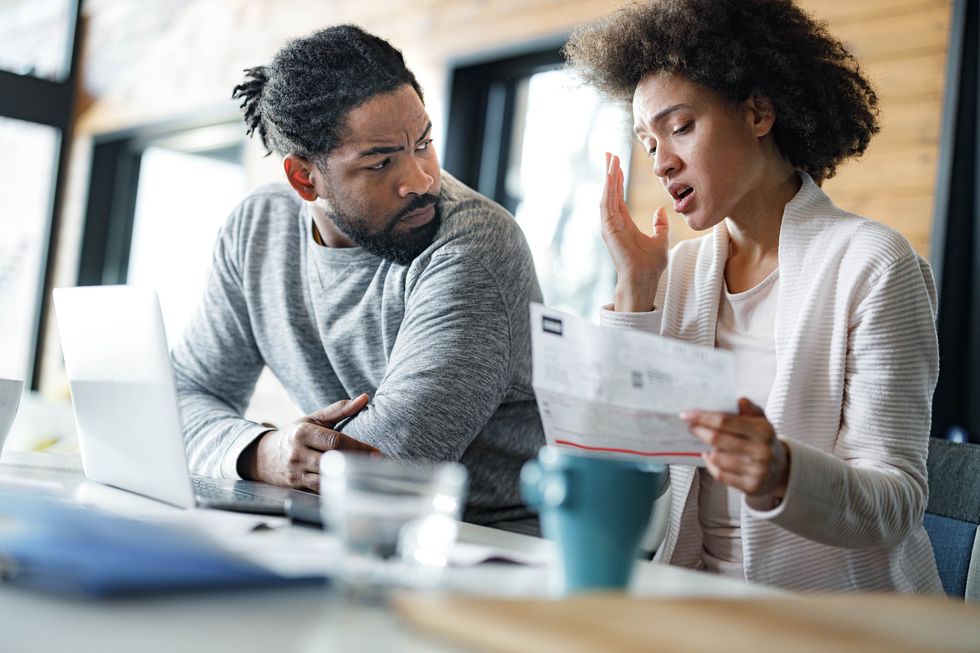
616	392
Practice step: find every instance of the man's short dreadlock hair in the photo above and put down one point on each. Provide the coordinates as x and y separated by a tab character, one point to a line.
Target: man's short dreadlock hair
298	104
826	111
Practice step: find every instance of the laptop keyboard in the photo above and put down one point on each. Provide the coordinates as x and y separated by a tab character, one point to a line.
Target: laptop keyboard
229	495
211	492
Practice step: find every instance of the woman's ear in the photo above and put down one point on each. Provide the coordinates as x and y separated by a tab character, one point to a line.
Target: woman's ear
762	115
299	173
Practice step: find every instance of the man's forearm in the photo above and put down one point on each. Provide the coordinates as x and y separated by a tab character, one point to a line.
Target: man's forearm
248	460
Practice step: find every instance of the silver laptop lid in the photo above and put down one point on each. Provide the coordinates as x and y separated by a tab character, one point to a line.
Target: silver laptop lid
123	392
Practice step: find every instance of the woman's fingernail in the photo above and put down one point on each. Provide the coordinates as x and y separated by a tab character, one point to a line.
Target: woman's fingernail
687	416
611	160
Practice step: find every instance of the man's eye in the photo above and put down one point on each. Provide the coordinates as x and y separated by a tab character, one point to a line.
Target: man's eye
424	145
380	165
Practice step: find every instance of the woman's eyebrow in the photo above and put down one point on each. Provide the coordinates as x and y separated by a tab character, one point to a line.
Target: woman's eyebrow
639	129
669	110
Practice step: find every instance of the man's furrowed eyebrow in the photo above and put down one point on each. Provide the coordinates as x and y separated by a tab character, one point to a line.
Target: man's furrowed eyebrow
391	149
381	149
428	128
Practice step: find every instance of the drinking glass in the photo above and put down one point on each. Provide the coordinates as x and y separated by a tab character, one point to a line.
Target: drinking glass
396	520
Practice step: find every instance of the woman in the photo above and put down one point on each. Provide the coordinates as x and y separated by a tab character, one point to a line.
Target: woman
745	107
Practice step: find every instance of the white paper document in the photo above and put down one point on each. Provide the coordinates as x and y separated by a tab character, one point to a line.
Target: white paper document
619	393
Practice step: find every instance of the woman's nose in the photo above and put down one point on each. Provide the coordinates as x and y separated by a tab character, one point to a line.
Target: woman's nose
665	162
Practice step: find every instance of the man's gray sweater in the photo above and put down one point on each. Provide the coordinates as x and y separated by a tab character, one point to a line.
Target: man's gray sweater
442	345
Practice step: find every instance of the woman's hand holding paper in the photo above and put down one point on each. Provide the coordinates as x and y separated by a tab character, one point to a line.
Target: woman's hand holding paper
745	452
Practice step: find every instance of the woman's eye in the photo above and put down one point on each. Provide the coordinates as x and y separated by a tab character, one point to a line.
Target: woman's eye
379	165
683	128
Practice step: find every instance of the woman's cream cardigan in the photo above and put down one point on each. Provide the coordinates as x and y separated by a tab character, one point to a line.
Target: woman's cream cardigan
856	366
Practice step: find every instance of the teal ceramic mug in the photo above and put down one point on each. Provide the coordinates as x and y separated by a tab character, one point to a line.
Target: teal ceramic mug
596	510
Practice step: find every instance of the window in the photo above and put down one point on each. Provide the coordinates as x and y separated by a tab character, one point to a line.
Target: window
561	131
36	37
158	196
27	150
956	235
38	50
527	134
169	226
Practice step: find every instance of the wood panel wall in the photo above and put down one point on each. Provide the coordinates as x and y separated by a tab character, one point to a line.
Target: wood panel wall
149	62
901	45
194	51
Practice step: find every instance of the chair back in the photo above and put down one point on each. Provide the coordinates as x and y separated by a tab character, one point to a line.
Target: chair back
953	515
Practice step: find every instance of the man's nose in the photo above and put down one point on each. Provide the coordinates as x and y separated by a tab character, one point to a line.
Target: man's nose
416	180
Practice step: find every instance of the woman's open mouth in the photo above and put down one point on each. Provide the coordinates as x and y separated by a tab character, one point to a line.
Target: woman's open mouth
683	197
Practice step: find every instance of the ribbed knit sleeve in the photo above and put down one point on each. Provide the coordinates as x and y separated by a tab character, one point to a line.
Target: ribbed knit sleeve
646	321
871	491
856	365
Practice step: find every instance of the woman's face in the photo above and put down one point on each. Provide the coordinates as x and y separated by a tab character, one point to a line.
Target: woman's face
707	153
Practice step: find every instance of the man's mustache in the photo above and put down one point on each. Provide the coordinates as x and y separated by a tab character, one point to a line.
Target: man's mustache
419	202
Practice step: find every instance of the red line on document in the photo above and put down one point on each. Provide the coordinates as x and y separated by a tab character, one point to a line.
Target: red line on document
638	453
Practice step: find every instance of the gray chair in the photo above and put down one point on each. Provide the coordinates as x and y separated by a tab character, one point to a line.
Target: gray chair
953	515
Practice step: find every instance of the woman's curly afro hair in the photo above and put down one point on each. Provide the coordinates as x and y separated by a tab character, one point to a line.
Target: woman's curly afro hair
826	111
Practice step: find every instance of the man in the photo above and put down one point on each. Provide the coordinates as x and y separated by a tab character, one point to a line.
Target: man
372	272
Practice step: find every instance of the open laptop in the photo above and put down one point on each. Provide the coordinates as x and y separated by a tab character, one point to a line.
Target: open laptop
125	403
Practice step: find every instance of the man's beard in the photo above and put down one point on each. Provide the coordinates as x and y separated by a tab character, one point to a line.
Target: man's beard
401	247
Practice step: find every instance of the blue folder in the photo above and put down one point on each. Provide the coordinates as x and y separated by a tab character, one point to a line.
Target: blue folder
56	546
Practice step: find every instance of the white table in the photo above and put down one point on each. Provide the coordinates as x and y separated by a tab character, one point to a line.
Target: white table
301	619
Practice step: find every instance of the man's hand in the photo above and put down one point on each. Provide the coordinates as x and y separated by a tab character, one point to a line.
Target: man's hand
745	452
291	457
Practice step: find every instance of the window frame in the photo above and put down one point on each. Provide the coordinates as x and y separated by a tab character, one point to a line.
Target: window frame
955	246
482	96
110	210
46	102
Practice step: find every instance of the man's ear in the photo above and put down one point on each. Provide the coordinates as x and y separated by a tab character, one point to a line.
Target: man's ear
299	173
762	115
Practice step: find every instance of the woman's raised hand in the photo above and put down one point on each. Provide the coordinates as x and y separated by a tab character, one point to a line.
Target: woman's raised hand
639	259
